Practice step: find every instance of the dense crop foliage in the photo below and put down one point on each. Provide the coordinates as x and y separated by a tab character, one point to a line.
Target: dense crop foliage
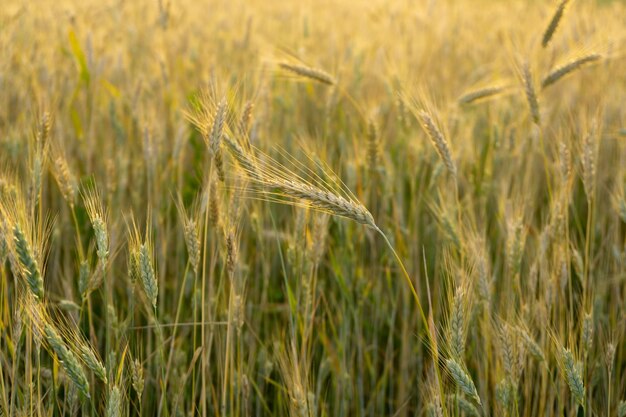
325	208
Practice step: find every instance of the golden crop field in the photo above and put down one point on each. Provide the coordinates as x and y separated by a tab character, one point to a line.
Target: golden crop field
313	208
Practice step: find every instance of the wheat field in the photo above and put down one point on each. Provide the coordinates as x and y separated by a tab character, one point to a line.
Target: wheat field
313	208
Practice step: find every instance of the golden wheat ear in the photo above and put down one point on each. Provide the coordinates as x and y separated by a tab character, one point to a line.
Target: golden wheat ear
554	23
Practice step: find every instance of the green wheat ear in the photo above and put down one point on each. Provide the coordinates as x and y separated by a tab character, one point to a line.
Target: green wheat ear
463	379
68	360
26	257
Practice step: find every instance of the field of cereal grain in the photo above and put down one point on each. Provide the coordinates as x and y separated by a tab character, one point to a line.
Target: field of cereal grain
313	208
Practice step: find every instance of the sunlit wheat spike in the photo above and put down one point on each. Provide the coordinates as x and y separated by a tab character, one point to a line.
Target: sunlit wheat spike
45	126
531	95
216	150
314	74
456	326
621	409
588	161
462	379
554	23
65	179
98	218
562	70
68	360
324	200
148	279
27	259
193	243
214	206
479	94
217	129
313	196
245	161
246	117
572	376
438	140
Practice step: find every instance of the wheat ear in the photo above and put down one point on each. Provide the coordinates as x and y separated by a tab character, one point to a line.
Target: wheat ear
479	94
463	379
554	23
67	359
314	74
562	70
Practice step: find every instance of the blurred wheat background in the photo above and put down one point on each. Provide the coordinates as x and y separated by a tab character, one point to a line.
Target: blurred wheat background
312	208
